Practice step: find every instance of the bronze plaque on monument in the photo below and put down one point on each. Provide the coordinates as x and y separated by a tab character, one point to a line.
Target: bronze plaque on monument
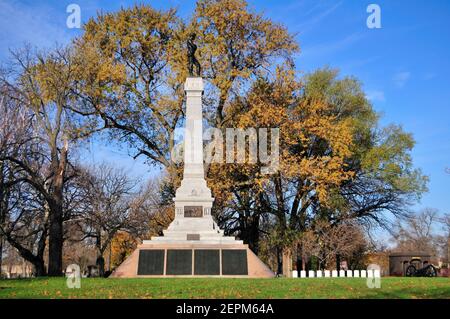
193	211
193	237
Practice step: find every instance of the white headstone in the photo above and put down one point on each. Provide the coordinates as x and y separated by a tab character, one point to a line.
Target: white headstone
302	273
341	273
319	274
311	274
327	273
370	273
349	273
363	273
356	273
294	274
334	273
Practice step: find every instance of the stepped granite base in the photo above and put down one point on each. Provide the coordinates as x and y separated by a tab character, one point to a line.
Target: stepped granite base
192	259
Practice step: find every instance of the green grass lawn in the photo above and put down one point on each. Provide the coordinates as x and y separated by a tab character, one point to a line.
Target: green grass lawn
227	288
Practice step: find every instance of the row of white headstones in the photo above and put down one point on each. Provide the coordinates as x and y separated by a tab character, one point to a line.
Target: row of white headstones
373	273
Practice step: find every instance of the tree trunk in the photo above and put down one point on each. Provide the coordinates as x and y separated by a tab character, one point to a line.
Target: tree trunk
287	263
2	212
279	262
448	253
338	262
100	262
39	268
1	255
55	241
252	233
280	211
299	261
56	234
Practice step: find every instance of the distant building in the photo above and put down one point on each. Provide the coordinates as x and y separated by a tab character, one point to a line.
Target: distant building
398	262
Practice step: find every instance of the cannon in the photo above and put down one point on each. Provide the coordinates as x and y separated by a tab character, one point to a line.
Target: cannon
412	264
427	271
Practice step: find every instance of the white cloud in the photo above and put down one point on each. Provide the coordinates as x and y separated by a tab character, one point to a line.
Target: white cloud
401	78
331	47
375	95
315	18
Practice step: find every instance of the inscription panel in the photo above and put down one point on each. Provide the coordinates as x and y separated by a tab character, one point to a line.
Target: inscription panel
151	262
193	237
193	211
207	262
179	262
234	262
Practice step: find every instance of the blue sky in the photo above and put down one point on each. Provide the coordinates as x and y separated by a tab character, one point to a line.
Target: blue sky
404	66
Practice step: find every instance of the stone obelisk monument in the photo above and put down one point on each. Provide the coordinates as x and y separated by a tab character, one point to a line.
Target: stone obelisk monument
193	200
193	244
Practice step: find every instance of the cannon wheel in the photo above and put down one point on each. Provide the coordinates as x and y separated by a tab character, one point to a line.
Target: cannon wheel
430	271
410	271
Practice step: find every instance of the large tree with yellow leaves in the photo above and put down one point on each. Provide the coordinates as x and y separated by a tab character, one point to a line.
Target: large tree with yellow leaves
336	164
133	65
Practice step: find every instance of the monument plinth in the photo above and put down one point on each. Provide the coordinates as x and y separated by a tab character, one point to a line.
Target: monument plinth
193	244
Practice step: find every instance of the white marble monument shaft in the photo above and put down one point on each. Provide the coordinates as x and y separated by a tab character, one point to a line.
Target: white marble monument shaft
193	200
193	141
193	184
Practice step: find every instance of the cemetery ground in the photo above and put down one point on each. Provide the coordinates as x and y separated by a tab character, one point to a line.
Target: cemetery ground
334	288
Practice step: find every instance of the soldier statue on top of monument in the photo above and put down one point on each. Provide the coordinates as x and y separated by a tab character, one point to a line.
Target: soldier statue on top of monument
192	60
